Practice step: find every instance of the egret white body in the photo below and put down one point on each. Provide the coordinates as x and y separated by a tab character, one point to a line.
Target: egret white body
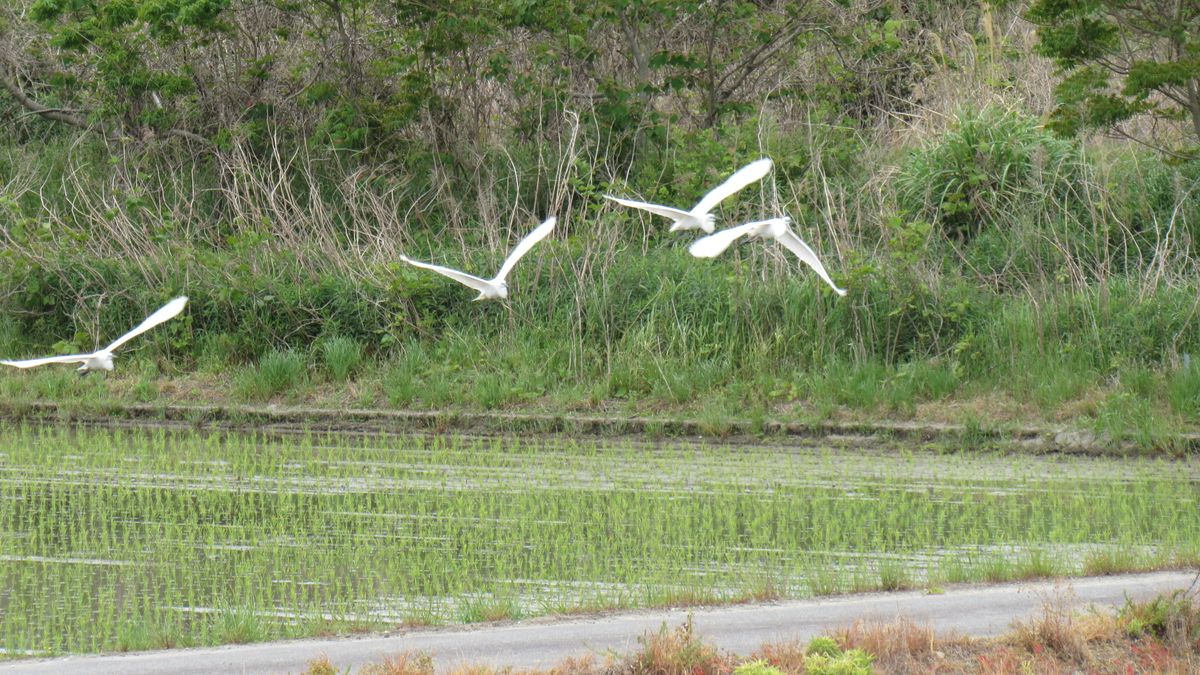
103	359
700	218
778	229
495	288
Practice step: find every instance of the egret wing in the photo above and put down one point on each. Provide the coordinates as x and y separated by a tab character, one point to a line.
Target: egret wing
657	209
794	244
31	363
539	233
715	244
165	313
469	280
744	176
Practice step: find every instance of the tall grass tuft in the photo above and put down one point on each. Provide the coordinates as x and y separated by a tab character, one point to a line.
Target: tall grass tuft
342	355
1183	388
276	373
992	163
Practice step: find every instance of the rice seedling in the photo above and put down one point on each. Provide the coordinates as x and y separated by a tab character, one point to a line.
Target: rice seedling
136	539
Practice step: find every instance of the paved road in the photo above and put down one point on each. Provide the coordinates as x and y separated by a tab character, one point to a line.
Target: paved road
981	610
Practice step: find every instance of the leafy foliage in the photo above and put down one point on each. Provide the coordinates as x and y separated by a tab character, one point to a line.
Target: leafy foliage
120	41
1123	58
824	656
990	164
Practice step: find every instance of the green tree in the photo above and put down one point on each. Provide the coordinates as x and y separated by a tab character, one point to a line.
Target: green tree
1124	58
120	40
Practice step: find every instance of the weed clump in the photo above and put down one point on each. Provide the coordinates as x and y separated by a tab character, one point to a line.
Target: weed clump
992	163
402	664
827	661
759	667
277	372
342	356
1056	629
678	651
1173	618
823	646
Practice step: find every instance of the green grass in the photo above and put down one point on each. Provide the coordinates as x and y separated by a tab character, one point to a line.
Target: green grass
277	372
1183	388
132	540
342	355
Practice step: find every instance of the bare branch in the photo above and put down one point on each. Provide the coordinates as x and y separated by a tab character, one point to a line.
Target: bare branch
57	114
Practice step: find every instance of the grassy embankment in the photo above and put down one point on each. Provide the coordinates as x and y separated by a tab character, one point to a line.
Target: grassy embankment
996	274
1076	304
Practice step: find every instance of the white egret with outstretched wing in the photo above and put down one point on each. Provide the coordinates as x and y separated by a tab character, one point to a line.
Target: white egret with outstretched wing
700	217
775	228
103	359
496	287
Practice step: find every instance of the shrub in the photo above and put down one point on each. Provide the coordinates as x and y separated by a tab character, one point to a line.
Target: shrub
823	646
823	656
852	662
1172	617
990	164
758	667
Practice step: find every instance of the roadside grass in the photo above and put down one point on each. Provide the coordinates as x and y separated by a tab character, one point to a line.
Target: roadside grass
1118	560
237	625
677	651
1155	636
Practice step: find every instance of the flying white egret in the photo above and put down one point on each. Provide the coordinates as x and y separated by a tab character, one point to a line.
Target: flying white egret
103	359
496	288
776	228
699	217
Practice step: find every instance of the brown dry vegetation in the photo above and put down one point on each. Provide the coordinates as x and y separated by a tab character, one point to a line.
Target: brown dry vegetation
1158	636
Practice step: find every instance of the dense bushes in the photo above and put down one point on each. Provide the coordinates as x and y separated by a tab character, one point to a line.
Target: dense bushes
989	166
989	252
660	303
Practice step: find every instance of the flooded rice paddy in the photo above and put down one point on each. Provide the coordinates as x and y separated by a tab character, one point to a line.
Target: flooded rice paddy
140	539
